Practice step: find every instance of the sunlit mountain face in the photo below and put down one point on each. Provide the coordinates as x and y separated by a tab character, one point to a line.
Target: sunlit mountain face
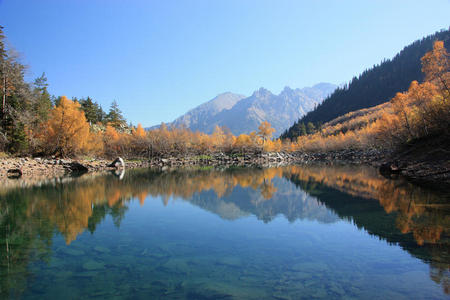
319	231
242	115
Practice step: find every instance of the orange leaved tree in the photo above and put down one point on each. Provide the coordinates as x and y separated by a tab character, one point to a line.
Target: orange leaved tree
139	131
265	130
66	133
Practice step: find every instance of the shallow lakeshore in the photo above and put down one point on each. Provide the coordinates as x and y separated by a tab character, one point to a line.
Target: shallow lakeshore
311	231
421	171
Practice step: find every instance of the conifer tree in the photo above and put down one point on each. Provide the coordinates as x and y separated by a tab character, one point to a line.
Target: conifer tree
115	117
43	103
92	110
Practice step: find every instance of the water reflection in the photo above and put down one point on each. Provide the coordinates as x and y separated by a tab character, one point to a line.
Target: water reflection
416	219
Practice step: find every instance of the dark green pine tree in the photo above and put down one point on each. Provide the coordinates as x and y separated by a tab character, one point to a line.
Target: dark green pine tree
56	100
2	44
310	128
92	110
101	115
13	127
115	117
15	102
303	129
373	86
3	61
43	102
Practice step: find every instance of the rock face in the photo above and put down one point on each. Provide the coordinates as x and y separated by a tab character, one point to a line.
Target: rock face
244	114
201	117
281	111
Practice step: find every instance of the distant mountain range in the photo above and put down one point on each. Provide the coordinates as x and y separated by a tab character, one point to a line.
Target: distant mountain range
243	114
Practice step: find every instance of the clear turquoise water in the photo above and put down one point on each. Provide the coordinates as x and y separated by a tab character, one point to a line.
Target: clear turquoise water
323	232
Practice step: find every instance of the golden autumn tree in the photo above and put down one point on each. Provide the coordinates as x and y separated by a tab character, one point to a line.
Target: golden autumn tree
218	137
278	145
111	134
139	132
268	146
67	131
242	142
138	144
436	66
403	111
265	130
95	143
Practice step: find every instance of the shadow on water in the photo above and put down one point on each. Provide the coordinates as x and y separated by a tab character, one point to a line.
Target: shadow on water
414	218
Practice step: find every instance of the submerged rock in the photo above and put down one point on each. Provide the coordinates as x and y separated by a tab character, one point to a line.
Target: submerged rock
230	261
93	265
101	249
73	252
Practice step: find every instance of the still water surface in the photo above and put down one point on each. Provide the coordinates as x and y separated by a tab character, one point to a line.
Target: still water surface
333	232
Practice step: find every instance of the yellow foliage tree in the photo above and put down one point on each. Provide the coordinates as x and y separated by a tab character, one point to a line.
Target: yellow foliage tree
242	141
268	146
67	131
95	143
277	145
265	130
111	133
436	66
218	137
139	132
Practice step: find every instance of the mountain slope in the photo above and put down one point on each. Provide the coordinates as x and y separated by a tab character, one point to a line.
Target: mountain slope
279	110
244	114
374	86
203	115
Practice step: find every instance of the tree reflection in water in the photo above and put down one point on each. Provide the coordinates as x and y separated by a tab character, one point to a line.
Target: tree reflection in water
401	213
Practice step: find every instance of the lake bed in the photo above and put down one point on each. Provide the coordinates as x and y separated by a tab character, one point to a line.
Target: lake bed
295	232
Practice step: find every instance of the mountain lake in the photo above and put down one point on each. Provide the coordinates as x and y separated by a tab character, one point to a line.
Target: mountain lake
293	232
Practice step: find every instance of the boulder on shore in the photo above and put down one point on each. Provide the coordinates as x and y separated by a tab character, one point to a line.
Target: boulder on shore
76	167
14	173
118	162
390	168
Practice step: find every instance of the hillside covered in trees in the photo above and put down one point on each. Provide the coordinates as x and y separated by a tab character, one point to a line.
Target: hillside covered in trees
422	113
31	120
372	87
35	123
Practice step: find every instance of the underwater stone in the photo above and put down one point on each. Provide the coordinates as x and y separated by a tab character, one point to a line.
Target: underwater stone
86	274
337	289
229	261
310	266
101	249
73	252
178	265
93	265
320	293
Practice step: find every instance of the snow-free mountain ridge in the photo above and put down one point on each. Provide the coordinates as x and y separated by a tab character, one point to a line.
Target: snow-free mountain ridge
243	114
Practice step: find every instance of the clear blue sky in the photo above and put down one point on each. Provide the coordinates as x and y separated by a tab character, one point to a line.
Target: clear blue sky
159	59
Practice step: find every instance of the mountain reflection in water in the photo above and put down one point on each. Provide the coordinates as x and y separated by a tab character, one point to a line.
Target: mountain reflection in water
396	211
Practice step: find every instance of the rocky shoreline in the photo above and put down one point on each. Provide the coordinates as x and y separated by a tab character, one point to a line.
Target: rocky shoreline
52	167
389	165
